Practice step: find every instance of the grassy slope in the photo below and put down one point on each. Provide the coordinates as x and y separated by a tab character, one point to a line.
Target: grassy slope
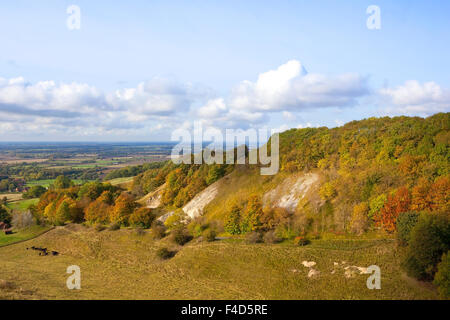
122	265
21	205
21	235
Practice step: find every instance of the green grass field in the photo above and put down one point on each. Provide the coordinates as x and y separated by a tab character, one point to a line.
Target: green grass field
47	182
22	235
123	265
118	181
21	205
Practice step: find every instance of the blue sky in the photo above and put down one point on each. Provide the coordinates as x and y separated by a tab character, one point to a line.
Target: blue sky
136	70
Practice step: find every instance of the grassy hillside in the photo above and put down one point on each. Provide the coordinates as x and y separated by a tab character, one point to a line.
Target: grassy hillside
22	235
123	265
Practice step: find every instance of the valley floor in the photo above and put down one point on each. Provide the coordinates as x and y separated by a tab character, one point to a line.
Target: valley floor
123	265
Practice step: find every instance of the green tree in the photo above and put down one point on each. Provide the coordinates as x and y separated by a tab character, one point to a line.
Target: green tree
405	223
215	172
62	182
34	192
233	223
62	213
430	239
4	215
442	277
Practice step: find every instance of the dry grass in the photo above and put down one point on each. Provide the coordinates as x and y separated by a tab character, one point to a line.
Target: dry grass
10	197
123	265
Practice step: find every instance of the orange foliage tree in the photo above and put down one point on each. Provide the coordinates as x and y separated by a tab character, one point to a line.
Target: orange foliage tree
394	205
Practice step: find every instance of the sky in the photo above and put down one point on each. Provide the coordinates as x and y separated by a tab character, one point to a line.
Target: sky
138	70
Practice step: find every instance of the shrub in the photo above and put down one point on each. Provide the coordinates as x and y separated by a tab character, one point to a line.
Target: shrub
254	237
4	215
99	227
142	217
209	235
180	236
158	230
114	227
442	276
175	220
405	223
22	220
301	241
197	226
165	253
271	237
429	239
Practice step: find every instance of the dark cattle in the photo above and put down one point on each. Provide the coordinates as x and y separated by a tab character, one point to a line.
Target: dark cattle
44	251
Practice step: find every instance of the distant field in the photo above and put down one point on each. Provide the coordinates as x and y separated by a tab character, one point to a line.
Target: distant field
48	182
123	265
21	205
18	161
21	235
11	196
120	180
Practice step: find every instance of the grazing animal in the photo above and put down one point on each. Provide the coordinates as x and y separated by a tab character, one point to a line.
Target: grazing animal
44	251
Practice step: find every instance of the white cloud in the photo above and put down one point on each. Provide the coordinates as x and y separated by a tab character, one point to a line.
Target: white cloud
291	88
212	109
155	97
416	98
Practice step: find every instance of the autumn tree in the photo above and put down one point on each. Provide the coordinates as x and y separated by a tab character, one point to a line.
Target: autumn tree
420	196
394	205
123	208
142	217
359	221
252	215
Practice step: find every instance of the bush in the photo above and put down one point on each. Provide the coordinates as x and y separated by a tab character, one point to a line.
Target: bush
442	276
429	240
301	241
271	237
254	237
99	227
405	223
142	217
197	226
4	215
165	253
176	220
158	230
22	220
180	236
114	227
209	235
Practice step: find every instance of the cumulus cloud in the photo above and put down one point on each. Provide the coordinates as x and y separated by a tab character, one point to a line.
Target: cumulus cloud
78	108
161	105
291	88
155	97
416	98
19	96
288	89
